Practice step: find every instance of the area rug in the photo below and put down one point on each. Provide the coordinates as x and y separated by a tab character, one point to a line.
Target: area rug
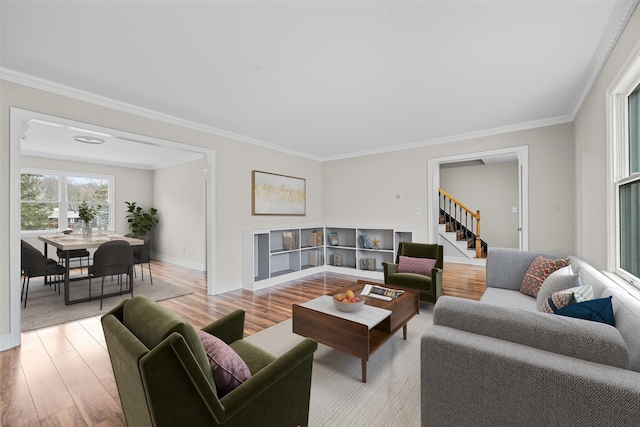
391	395
46	308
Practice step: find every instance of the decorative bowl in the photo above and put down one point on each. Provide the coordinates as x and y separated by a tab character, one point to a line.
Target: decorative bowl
348	307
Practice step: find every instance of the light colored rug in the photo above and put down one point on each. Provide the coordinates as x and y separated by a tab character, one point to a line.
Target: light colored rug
391	396
46	308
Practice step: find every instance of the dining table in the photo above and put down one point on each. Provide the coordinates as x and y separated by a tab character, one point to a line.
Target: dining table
68	242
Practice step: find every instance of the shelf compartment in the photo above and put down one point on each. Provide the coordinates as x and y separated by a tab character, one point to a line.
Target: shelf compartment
384	236
283	263
278	238
312	257
346	237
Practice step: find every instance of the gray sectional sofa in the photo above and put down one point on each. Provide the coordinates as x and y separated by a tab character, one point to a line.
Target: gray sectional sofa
499	361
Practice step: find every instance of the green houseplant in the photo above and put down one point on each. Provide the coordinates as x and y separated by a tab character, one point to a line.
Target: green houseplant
140	221
87	214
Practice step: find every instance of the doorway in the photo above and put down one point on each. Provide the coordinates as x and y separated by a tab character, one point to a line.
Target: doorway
19	124
519	154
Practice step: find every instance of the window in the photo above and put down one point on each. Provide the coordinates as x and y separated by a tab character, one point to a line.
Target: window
625	161
50	199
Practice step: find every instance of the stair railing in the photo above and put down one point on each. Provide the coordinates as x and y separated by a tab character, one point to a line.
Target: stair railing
456	212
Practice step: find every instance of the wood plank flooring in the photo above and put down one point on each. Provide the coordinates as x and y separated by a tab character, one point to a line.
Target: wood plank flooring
61	375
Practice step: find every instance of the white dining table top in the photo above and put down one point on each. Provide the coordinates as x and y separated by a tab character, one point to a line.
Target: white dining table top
68	242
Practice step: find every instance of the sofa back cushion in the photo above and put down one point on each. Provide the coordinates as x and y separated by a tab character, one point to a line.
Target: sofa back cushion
506	267
151	324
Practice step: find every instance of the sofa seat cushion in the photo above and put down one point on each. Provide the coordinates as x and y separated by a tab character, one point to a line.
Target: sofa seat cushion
508	298
410	280
254	357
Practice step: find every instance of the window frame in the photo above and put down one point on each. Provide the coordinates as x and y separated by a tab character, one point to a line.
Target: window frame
62	194
626	81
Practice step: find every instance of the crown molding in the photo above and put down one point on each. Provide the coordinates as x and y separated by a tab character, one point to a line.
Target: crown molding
457	138
619	19
70	92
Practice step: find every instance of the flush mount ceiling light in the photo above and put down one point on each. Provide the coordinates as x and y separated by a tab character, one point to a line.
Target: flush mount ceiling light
89	139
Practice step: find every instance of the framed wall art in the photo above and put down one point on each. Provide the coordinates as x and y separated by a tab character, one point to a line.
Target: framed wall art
275	194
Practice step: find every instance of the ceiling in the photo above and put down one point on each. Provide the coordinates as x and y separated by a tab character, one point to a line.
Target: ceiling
321	79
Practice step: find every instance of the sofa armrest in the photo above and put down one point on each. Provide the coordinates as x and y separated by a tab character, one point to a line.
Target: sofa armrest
436	281
229	328
582	339
506	267
282	384
389	268
469	379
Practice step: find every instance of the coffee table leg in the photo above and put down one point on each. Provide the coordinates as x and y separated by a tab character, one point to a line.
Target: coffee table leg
364	370
404	332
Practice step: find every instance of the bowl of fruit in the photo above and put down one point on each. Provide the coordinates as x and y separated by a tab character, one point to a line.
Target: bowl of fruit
348	301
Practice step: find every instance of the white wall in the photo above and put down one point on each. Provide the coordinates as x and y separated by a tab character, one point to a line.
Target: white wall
362	190
179	197
234	162
493	190
591	154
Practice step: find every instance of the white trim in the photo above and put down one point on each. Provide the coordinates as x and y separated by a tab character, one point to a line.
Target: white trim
627	78
49	86
433	184
15	132
179	262
17	117
616	25
457	138
63	197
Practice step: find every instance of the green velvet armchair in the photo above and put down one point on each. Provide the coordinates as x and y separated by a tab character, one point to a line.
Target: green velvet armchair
429	287
164	377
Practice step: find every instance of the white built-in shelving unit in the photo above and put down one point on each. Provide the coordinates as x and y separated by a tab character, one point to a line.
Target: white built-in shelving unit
266	261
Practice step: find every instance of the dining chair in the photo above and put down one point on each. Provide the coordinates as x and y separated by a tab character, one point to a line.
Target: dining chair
142	255
35	264
73	253
112	258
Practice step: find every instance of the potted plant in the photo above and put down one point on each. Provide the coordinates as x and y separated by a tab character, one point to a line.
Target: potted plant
140	221
87	214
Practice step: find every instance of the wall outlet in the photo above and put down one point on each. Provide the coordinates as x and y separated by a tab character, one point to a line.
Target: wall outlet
514	209
183	250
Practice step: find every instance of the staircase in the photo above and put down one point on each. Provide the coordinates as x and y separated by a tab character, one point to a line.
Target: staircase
461	226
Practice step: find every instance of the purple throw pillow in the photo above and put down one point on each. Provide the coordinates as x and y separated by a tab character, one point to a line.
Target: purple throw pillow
229	370
416	265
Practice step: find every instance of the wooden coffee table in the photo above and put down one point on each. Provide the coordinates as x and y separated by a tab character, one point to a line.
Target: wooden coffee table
318	319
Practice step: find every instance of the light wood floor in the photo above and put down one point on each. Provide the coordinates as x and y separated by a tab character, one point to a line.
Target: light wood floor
61	375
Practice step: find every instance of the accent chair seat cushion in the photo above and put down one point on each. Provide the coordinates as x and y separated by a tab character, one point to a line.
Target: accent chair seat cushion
412	281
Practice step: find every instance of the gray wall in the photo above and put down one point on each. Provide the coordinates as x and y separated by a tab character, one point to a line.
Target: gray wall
493	190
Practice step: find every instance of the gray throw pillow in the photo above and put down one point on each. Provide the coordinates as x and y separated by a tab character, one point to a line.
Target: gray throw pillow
557	281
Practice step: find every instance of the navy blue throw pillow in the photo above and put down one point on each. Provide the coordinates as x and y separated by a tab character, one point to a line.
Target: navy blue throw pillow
598	310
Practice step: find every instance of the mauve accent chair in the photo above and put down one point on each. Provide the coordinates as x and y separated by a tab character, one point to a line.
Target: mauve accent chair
429	288
164	377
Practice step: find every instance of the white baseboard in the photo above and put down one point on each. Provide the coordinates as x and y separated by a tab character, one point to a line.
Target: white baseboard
469	261
178	261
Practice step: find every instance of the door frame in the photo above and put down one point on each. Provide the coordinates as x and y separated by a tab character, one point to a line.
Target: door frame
18	122
433	184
